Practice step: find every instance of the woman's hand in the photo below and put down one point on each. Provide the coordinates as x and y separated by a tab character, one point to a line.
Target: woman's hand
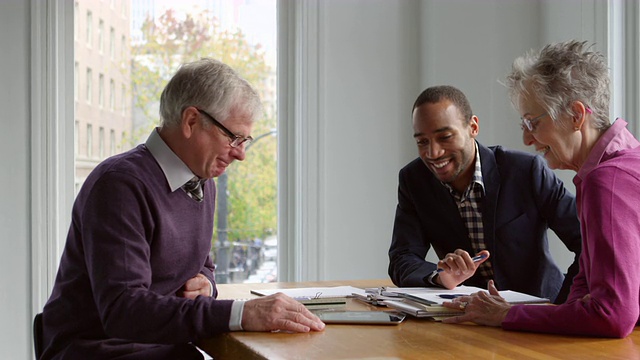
484	308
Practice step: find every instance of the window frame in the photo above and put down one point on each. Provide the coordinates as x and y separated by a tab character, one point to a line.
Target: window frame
300	191
52	135
624	60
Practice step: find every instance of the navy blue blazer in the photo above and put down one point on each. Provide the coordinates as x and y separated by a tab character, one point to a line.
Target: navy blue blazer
523	198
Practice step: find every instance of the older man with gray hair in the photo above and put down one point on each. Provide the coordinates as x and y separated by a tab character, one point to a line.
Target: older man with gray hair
135	280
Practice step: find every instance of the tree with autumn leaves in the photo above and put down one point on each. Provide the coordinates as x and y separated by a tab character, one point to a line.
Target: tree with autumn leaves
170	41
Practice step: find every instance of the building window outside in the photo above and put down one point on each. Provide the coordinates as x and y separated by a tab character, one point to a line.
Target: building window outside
123	49
101	143
89	27
101	91
112	95
112	43
123	100
89	85
101	36
112	142
89	141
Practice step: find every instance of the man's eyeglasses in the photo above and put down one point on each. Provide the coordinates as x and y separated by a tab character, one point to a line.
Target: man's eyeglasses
530	124
236	140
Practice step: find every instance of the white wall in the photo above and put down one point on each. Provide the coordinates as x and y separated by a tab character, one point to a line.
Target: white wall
15	265
375	56
369	82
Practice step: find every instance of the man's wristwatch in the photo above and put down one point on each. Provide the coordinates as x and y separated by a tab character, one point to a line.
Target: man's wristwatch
431	279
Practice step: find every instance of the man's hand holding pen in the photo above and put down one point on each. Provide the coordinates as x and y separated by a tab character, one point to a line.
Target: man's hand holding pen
458	266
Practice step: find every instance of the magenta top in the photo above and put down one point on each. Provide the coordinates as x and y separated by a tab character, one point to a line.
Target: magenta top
604	299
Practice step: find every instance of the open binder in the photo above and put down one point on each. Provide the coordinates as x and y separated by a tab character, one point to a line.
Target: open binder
417	309
426	302
436	296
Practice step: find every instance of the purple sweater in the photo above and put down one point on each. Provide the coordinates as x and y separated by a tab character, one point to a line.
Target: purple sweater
131	245
608	192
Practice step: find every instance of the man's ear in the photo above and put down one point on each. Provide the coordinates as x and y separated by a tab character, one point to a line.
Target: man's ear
189	121
474	125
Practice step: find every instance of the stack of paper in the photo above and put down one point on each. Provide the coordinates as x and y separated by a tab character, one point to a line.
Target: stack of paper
421	310
322	302
317	297
427	302
436	296
313	292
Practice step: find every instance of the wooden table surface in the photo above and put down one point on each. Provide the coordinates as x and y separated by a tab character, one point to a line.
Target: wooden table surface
413	339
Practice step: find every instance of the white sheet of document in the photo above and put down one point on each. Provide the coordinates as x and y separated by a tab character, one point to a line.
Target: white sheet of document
433	295
313	292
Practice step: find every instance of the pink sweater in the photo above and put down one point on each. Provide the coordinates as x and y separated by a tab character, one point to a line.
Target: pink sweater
608	201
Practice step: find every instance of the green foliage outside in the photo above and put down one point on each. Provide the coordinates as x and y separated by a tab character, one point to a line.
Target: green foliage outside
170	42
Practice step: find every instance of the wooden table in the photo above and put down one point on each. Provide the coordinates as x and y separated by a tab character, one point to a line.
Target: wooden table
413	339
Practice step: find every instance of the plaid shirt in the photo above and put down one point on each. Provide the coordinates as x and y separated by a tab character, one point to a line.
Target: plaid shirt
469	207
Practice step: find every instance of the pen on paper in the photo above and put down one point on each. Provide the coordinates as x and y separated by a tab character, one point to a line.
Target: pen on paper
475	259
450	296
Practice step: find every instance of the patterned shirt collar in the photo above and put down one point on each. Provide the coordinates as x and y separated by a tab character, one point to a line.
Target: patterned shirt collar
477	179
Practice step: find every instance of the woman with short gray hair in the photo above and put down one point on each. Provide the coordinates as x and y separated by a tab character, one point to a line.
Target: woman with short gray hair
562	94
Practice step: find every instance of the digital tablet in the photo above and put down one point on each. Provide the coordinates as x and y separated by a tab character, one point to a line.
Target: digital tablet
361	317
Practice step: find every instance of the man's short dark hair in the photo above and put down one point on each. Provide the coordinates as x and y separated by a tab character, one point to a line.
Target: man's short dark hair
436	94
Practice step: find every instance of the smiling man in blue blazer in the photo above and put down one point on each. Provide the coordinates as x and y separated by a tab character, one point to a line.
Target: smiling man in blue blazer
465	199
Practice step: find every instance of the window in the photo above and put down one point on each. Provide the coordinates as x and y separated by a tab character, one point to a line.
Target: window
89	141
123	50
249	223
101	36
112	43
101	143
112	142
123	100
101	91
112	95
89	85
89	28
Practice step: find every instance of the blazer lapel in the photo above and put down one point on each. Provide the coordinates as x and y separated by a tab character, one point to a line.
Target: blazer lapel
452	224
491	179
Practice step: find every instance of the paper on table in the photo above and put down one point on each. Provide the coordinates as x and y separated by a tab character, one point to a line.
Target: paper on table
515	297
420	310
313	292
431	295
